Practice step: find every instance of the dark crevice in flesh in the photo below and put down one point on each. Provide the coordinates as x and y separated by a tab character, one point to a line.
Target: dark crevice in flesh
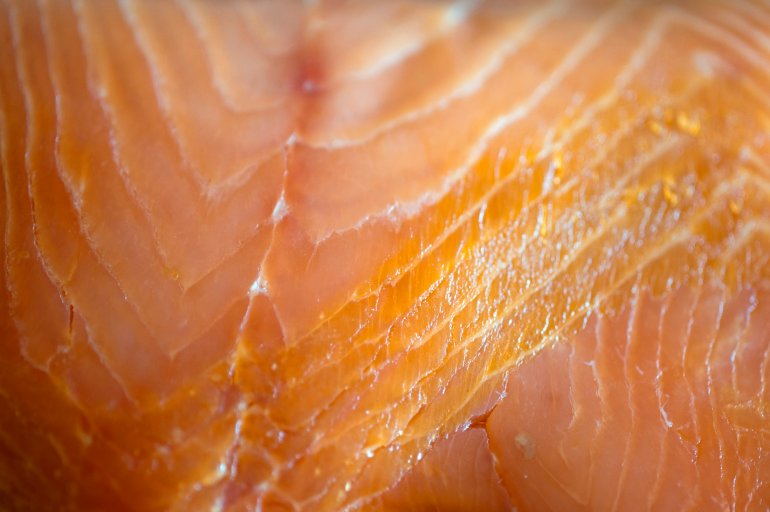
480	422
513	499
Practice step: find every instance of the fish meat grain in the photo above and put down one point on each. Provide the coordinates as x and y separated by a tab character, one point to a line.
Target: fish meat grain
350	255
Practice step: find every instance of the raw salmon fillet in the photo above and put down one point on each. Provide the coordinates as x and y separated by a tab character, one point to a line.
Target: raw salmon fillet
357	255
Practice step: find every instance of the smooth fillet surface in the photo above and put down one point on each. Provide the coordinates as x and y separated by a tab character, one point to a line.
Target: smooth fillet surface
351	255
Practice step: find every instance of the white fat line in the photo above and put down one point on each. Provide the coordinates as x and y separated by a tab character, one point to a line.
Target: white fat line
191	11
749	155
523	34
752	11
641	55
222	190
49	270
606	148
398	211
722	36
745	28
666	423
656	151
638	59
740	341
754	178
711	391
517	302
632	333
677	236
454	15
128	11
142	36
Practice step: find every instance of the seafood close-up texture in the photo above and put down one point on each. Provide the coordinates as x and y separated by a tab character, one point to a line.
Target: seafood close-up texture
384	255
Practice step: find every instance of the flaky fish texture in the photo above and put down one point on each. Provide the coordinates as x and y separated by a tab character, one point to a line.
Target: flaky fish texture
357	255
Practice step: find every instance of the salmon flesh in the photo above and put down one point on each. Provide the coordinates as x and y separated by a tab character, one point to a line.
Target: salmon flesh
357	255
